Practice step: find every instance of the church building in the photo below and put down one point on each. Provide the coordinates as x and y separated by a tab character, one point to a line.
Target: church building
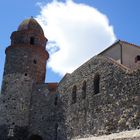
102	96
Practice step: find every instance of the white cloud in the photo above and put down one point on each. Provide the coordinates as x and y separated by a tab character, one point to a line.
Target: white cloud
76	32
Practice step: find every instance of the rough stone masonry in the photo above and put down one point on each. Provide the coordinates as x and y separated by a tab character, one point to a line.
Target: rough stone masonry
100	97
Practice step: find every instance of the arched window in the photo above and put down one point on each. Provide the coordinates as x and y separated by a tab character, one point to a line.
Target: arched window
74	90
32	40
84	88
35	137
97	84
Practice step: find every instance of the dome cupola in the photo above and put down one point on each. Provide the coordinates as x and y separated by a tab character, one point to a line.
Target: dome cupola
29	32
30	24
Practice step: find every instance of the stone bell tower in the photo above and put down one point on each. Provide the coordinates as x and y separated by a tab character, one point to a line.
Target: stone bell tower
27	54
25	66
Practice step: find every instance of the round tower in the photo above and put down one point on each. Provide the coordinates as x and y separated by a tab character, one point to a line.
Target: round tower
25	66
27	54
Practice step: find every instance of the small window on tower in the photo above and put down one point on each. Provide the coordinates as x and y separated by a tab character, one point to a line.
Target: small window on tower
34	61
137	58
25	74
32	40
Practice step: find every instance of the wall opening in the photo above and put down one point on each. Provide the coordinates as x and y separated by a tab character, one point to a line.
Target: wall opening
89	66
84	88
32	40
35	137
74	90
25	74
97	84
137	58
34	61
55	100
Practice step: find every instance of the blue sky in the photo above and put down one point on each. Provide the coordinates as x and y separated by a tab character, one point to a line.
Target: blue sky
123	15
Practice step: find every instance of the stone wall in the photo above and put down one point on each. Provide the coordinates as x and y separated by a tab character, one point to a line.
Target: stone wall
21	37
14	106
115	108
46	118
26	59
29	109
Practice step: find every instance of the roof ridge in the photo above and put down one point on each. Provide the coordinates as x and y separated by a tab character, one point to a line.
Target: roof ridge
118	41
123	41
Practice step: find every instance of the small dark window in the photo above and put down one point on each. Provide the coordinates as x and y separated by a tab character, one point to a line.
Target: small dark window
32	40
96	84
84	88
25	74
56	100
35	62
137	58
43	118
74	90
35	137
89	66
